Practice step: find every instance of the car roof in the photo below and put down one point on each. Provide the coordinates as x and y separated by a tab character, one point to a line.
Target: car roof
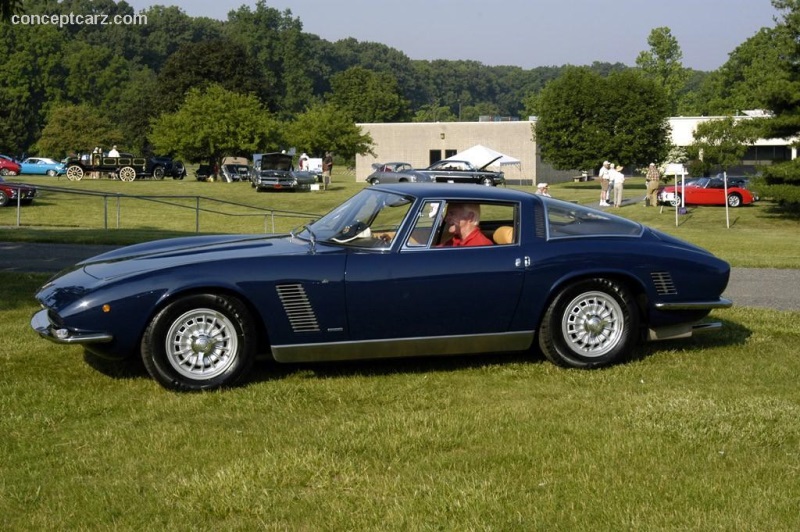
454	191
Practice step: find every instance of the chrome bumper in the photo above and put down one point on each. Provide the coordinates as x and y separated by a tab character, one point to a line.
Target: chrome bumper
40	322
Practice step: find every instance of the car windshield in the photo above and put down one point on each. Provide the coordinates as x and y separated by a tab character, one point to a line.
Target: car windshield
359	221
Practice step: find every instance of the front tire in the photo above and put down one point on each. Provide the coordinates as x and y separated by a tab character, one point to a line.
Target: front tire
3	199
200	342
487	182
51	173
591	323
74	172
158	173
734	200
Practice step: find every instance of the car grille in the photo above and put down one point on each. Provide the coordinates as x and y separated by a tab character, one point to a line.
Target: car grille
297	307
663	283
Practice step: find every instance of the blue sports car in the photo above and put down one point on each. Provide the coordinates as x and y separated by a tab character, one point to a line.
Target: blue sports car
42	165
395	271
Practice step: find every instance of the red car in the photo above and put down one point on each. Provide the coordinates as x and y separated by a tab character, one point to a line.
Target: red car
8	167
9	192
709	191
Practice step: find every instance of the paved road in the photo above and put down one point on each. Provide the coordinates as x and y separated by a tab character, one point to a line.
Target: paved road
748	287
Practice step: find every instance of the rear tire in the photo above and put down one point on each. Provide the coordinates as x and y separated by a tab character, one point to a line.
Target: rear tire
3	199
734	200
591	323
200	342
487	182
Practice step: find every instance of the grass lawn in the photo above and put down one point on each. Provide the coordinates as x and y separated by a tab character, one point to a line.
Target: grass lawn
696	434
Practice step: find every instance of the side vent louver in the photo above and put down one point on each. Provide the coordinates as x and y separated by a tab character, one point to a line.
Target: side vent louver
298	308
664	283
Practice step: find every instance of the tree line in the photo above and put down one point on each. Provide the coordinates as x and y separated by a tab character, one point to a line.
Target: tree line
198	87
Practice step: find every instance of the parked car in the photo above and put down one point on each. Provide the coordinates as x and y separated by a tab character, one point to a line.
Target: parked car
394	172
274	171
446	171
204	172
375	278
10	191
161	166
235	169
42	166
708	191
8	166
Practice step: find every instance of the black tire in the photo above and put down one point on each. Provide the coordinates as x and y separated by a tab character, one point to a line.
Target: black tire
200	342
158	173
676	200
734	200
375	181
3	199
4	171
590	324
51	173
487	181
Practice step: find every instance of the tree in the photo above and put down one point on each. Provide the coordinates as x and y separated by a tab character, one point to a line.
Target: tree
76	129
367	96
324	127
212	123
8	8
198	65
781	181
720	144
662	63
584	118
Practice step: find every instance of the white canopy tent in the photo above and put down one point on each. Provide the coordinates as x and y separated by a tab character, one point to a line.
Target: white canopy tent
481	156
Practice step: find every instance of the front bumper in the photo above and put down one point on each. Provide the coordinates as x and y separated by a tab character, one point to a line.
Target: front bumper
44	326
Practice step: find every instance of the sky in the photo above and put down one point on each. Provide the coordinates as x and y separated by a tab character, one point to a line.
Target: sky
523	33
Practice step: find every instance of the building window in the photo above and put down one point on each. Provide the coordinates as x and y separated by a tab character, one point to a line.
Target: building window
449	153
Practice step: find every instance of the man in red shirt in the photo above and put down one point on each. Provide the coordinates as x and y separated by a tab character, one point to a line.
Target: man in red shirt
462	221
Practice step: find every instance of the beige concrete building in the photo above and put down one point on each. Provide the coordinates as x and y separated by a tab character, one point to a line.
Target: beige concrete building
424	143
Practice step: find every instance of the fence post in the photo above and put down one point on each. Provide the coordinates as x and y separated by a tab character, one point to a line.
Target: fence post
105	212
19	206
119	213
197	215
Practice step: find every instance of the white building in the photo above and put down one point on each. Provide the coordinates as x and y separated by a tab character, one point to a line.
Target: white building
423	143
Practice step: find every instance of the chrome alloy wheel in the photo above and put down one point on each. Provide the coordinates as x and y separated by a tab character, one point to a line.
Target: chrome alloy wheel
201	344
593	324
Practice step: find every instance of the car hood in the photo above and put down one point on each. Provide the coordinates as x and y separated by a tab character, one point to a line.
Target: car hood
276	161
175	252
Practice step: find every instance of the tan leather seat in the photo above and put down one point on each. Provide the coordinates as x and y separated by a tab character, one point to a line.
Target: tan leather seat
503	235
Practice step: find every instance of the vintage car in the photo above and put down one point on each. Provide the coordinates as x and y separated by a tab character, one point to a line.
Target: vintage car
161	166
394	172
708	191
10	193
125	167
235	169
375	277
447	171
42	166
8	166
275	171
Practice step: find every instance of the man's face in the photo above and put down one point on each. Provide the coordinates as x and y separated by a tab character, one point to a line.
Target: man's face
459	221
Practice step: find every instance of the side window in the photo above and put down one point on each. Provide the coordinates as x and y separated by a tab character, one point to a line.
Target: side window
427	218
450	224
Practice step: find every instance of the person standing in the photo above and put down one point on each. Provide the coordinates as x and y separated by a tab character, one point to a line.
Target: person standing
113	152
603	176
652	179
617	180
327	168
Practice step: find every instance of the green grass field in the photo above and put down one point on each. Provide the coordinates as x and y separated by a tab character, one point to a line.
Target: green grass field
697	434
